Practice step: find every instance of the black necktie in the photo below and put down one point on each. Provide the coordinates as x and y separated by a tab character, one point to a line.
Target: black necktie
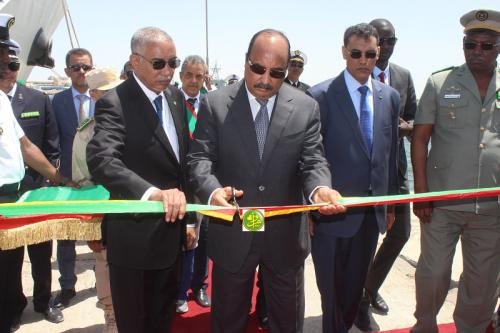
10	97
192	101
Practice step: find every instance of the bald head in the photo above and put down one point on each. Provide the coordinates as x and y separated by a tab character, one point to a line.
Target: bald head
387	40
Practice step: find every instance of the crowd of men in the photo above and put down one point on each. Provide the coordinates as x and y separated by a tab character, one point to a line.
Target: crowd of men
259	142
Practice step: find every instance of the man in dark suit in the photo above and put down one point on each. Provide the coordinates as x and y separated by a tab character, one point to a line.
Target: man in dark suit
71	106
138	152
261	137
34	114
295	68
359	123
400	79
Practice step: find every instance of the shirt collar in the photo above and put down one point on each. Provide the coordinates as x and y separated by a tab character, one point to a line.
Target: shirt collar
186	96
77	93
12	92
252	98
377	71
353	84
150	94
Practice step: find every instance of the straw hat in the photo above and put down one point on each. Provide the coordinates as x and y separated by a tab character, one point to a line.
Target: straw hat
103	78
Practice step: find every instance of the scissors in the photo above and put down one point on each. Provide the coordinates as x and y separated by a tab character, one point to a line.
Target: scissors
233	199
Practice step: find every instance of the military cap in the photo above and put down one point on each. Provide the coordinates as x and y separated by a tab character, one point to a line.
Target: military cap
233	78
299	56
481	19
14	49
6	21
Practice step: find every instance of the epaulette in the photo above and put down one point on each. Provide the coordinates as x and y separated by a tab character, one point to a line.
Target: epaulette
84	124
445	69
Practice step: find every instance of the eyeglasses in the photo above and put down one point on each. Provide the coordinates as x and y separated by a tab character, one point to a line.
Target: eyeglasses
391	41
273	72
161	63
356	54
469	45
78	67
297	64
14	66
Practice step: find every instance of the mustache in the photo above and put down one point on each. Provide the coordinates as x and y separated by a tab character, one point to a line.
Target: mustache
266	86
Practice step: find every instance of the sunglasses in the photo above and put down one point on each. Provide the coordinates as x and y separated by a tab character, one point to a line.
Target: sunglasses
297	64
14	66
273	72
484	46
161	63
356	54
391	41
77	68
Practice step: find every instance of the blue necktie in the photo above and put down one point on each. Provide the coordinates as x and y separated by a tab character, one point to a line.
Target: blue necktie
159	108
261	125
366	118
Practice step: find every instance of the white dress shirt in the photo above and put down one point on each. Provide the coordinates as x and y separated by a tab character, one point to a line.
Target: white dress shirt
11	158
196	104
87	105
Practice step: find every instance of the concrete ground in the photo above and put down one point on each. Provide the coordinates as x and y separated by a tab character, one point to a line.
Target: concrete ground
398	290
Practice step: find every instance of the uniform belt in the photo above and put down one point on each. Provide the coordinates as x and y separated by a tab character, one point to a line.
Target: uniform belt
9	188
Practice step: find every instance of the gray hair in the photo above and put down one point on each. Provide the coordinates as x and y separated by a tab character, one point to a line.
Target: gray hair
148	35
193	60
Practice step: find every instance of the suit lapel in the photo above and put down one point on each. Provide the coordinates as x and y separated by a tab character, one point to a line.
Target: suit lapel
342	98
18	103
178	114
241	115
378	114
142	103
279	118
69	108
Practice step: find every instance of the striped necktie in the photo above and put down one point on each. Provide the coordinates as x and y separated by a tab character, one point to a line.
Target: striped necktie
261	125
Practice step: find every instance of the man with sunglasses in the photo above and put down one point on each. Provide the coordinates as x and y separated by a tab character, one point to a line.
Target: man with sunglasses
71	107
138	152
258	142
459	111
295	69
34	114
359	124
397	234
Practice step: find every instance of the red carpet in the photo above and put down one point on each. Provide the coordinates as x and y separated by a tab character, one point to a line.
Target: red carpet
197	320
443	328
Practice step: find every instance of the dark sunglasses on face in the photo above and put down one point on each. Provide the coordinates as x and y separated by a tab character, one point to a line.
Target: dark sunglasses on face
78	67
356	54
391	41
14	66
469	45
159	64
273	72
297	64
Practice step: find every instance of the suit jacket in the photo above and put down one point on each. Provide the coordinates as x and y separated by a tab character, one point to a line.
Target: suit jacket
34	113
400	79
67	122
130	153
224	152
354	171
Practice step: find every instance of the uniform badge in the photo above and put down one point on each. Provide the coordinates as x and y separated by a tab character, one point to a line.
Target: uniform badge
253	220
31	114
11	22
481	15
498	95
1	130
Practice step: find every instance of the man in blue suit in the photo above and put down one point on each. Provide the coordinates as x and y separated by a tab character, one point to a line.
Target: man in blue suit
359	120
71	106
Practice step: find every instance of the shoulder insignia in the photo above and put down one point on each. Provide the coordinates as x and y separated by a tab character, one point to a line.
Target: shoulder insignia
84	124
445	69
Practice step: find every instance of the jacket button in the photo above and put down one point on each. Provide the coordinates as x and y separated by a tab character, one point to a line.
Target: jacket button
482	146
262	188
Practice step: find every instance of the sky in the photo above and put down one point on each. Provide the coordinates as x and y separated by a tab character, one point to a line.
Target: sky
429	32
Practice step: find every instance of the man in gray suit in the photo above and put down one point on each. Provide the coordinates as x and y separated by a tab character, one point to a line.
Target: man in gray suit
460	112
263	138
398	234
